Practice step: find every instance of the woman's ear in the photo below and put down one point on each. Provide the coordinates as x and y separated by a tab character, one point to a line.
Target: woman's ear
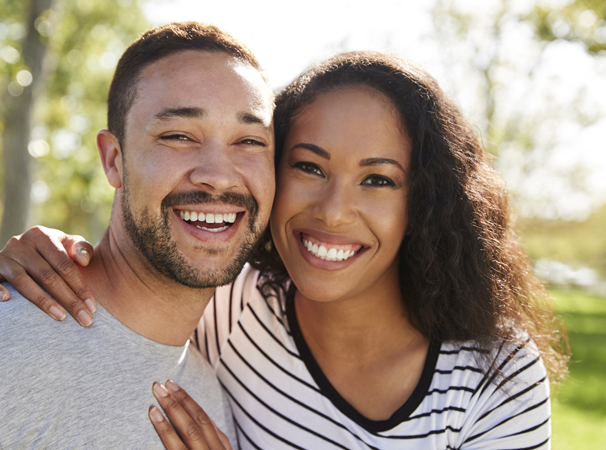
111	157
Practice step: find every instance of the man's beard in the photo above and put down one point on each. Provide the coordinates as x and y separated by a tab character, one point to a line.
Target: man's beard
154	240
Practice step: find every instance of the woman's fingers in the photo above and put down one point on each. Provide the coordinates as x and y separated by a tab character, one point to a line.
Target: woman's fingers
167	434
19	278
190	421
4	293
39	255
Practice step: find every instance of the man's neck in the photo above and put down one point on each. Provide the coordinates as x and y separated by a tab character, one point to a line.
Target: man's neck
146	302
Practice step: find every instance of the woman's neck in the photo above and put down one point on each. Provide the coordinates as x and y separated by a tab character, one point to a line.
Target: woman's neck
366	347
374	321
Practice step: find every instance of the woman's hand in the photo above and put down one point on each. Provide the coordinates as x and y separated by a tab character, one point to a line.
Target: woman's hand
48	256
193	429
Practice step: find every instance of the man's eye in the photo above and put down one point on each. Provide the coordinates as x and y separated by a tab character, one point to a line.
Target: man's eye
175	137
308	167
253	142
378	180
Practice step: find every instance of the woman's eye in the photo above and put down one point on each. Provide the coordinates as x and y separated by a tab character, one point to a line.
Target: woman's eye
378	180
308	167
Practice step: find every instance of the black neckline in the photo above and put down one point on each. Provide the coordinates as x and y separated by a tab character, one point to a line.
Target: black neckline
374	426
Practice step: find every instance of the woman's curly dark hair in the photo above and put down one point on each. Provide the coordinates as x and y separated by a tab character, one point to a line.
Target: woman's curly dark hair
464	276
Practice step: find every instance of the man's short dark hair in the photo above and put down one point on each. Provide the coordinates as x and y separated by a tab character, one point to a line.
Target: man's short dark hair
158	43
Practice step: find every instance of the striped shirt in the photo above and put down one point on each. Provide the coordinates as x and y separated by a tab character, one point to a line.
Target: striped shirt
280	398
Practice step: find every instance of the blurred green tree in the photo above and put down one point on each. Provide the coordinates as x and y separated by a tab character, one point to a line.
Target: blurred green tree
86	39
500	55
576	20
24	83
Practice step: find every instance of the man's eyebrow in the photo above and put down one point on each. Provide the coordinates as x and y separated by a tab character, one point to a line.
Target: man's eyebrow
379	161
312	148
189	113
252	119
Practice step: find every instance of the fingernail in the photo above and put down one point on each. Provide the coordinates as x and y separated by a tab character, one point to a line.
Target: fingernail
172	386
160	390
3	296
85	318
91	305
56	313
156	415
84	253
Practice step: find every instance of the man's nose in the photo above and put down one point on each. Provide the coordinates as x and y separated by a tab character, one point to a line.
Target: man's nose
215	169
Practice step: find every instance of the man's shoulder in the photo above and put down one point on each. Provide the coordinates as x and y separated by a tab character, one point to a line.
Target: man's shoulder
19	317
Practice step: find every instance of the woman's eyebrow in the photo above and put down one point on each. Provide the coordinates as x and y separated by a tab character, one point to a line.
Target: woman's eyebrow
378	161
312	148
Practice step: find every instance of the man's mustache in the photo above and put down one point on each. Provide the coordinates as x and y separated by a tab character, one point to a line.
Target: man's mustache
202	197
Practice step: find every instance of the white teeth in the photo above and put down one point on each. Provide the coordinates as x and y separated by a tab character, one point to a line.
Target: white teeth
331	254
208	218
213	230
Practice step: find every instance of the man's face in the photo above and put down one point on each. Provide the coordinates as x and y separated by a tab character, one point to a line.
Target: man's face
198	175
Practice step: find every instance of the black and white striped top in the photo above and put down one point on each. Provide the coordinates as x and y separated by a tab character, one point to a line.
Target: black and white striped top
281	399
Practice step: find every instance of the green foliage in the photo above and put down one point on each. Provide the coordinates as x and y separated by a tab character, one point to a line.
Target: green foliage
571	242
580	20
70	191
579	405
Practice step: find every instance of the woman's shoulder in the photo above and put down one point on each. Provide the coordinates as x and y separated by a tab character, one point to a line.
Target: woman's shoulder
250	291
501	359
500	379
499	389
250	287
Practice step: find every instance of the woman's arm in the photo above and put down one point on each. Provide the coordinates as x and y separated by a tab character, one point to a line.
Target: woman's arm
41	262
193	429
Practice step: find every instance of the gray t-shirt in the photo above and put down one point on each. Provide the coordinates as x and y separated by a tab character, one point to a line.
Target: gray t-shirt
66	387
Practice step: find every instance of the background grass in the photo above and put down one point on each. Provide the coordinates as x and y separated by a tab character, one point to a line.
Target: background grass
579	405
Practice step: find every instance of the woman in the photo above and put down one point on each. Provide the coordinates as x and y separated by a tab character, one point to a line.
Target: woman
389	304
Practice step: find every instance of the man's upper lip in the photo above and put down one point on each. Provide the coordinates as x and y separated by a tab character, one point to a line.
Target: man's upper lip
329	238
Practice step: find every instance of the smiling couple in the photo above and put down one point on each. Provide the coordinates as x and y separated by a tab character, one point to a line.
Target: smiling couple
387	305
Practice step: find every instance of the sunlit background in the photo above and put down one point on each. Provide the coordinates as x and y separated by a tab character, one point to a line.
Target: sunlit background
530	76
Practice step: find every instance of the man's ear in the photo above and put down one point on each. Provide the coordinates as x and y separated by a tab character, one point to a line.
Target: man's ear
111	157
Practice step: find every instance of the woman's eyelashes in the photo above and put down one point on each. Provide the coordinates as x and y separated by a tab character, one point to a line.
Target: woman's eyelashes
378	180
308	167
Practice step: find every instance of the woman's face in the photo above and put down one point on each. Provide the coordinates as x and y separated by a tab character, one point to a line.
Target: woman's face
340	212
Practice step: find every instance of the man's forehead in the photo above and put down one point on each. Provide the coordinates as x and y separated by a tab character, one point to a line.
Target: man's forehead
198	81
201	65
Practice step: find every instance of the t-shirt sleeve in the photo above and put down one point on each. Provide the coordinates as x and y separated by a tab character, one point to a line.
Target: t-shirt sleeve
223	312
514	411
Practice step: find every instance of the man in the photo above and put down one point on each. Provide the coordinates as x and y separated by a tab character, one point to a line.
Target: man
189	151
